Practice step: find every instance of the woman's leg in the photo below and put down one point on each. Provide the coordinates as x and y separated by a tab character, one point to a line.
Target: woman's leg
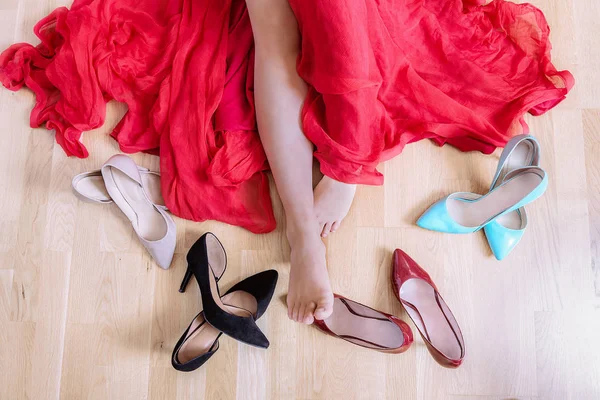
279	93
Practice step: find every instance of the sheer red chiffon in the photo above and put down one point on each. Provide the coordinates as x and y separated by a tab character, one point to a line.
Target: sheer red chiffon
382	74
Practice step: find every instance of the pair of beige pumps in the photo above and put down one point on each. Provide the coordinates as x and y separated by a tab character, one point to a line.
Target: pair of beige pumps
136	191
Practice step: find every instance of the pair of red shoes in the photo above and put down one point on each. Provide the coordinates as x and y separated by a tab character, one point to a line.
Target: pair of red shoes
366	327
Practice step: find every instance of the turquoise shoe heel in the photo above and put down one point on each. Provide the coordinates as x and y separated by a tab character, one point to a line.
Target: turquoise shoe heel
504	233
465	212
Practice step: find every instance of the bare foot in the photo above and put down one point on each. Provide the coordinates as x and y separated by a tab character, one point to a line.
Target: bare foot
332	203
309	294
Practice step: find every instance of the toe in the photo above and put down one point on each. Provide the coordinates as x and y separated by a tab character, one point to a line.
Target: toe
326	229
324	308
301	312
296	312
308	313
335	226
291	305
308	319
321	227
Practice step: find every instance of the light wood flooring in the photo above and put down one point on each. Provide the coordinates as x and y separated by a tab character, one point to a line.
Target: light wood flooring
85	314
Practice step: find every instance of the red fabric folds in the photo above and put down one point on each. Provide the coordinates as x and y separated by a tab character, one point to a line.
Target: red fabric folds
381	73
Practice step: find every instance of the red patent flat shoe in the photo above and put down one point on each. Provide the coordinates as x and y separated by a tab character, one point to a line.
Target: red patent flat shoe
429	312
366	327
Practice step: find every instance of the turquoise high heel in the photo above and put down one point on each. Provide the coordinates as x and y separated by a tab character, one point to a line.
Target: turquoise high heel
465	212
505	232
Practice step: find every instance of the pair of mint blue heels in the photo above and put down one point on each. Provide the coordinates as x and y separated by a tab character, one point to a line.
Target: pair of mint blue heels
501	212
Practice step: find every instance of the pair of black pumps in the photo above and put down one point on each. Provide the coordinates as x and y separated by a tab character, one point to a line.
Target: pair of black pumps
234	313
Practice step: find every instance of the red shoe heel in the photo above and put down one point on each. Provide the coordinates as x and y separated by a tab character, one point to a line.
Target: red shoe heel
427	309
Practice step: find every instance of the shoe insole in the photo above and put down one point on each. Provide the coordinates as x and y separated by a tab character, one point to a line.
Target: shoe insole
363	326
473	213
200	340
202	336
130	197
430	317
521	156
217	258
511	220
239	304
93	187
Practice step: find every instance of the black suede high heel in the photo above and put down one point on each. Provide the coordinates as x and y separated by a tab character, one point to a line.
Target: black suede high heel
201	340
206	259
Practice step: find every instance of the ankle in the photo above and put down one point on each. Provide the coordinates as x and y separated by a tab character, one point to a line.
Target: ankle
299	228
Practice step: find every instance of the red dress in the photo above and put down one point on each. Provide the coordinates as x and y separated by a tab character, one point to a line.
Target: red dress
382	73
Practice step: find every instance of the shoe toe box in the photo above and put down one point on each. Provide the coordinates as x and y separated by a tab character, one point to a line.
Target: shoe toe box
163	250
502	240
436	218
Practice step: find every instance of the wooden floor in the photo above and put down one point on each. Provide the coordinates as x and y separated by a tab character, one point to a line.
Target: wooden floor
85	314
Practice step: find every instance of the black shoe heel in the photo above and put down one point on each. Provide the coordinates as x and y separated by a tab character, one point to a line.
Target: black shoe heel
186	279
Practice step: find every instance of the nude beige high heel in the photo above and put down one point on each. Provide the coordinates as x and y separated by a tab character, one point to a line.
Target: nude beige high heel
153	226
